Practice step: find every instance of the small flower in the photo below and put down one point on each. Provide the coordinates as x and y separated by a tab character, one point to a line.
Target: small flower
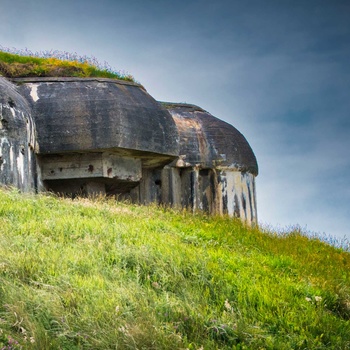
228	306
308	299
318	299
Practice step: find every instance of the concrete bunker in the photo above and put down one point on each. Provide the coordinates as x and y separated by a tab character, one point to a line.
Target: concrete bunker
90	136
97	136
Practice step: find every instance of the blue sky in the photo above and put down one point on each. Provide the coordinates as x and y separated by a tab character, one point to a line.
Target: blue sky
277	70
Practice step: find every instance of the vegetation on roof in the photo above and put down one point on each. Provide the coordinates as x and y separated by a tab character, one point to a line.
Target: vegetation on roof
98	274
24	63
170	105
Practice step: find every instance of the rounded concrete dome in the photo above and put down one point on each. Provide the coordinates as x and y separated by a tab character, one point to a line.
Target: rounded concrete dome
17	139
96	114
209	142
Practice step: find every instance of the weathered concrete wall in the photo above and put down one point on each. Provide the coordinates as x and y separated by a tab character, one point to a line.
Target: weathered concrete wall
90	165
17	139
238	195
73	114
215	191
208	142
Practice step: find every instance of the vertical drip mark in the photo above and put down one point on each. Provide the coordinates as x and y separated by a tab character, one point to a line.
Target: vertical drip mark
250	201
236	211
20	169
244	205
34	92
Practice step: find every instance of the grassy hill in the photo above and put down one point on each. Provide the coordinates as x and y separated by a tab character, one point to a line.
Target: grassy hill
96	274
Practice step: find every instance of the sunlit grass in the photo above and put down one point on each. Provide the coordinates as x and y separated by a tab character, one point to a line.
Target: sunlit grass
24	63
96	274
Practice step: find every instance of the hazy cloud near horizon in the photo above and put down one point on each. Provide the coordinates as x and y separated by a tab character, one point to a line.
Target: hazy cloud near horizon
277	70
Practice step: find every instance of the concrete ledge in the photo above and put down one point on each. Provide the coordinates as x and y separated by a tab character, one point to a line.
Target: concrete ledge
90	165
72	79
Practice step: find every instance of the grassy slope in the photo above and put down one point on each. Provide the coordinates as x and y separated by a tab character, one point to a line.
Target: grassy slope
13	66
101	275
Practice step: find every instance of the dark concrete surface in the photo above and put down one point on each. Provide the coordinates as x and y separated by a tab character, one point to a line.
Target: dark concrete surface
73	114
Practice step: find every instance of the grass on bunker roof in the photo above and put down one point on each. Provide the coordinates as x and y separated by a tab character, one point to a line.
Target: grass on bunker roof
19	64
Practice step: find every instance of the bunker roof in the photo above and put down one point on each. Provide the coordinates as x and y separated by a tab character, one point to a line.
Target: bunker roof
208	142
94	114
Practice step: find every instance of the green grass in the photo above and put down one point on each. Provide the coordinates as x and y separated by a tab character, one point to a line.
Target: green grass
96	274
18	65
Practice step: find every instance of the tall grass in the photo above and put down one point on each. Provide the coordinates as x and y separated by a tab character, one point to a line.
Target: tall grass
96	274
25	63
